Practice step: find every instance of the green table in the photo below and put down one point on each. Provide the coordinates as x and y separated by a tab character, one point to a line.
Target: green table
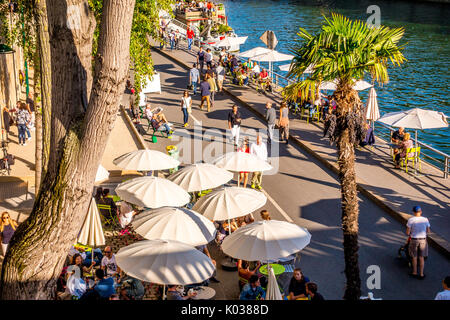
277	269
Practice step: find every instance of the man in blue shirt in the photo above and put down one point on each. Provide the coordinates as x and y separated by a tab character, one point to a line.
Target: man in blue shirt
253	290
104	287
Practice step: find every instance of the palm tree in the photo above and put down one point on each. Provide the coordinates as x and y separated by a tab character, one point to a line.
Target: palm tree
345	51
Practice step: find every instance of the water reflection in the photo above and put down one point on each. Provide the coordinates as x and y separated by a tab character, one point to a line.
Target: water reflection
421	82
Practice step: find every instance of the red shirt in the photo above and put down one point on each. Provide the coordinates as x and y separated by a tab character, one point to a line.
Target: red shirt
209	5
190	34
263	74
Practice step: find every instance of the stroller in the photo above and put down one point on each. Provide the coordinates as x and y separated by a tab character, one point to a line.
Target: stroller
403	252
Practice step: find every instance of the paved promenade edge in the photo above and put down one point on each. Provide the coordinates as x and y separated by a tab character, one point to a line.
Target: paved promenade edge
435	240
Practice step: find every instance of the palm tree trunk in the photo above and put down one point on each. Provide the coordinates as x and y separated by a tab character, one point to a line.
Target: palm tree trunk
345	97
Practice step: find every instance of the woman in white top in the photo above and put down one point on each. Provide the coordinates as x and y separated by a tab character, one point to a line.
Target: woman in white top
126	214
220	70
186	105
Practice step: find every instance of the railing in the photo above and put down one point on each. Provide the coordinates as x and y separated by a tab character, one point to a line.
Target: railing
442	163
437	159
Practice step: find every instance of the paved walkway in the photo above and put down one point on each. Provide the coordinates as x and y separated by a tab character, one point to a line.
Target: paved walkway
393	189
304	191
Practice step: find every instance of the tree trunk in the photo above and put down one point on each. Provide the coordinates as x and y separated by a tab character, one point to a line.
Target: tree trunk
346	98
40	244
43	133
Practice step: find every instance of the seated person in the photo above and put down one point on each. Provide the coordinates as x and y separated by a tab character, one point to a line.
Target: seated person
256	70
370	138
403	148
109	264
148	112
161	126
397	138
104	286
297	286
245	273
264	80
126	214
77	268
253	290
311	291
173	294
233	226
131	289
87	256
106	199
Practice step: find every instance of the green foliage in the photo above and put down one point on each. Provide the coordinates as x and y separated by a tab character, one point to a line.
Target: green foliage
145	23
343	50
18	29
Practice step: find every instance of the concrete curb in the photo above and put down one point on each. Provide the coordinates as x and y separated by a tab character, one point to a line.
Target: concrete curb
133	128
435	240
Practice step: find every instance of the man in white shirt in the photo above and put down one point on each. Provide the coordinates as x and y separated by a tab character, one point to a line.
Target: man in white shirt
109	264
444	295
417	228
258	149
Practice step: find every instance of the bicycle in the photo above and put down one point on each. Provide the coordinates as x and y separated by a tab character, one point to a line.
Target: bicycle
6	161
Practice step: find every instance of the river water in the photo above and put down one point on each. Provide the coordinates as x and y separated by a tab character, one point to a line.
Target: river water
422	82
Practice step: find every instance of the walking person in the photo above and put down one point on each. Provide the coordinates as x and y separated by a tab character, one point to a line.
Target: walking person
220	72
23	119
172	39
194	77
234	124
205	91
208	57
190	37
283	123
201	58
258	149
271	117
213	86
7	228
186	107
243	175
417	228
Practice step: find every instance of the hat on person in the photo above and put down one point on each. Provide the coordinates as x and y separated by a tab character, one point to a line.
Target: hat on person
417	209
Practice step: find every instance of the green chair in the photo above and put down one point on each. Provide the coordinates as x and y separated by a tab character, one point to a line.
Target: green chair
110	219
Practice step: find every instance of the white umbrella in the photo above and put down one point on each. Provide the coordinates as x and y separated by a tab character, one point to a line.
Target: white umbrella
272	56
102	174
152	192
229	202
230	41
165	262
372	110
266	240
178	224
417	119
146	160
91	233
273	292
253	52
200	176
357	85
287	67
242	161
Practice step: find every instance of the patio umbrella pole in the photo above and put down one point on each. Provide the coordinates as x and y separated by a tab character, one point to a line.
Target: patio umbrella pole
164	292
